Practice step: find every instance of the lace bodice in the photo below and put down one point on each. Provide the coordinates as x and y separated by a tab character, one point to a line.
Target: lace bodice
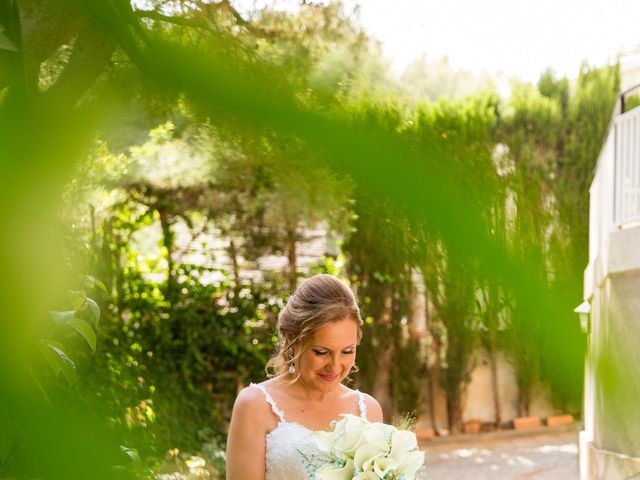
290	445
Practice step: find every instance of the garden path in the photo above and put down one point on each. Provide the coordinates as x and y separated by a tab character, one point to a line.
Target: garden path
541	454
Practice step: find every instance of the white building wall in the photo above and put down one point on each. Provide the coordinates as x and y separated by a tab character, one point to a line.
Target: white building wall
610	441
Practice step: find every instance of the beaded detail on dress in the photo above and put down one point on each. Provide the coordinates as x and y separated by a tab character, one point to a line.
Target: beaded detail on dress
289	446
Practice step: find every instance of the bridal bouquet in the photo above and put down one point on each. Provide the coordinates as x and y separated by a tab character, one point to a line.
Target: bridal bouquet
358	449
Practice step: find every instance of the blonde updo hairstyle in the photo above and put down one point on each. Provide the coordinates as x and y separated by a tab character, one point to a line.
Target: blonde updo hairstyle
318	301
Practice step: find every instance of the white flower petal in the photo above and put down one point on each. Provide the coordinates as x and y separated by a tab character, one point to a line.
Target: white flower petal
411	464
324	440
382	465
351	436
384	428
375	436
402	441
331	473
365	455
339	426
367	476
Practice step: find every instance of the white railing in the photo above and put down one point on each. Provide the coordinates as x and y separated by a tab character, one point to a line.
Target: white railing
601	197
627	168
614	196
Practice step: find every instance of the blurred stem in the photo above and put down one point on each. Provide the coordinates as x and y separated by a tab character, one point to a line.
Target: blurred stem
233	253
434	379
384	357
167	242
494	385
292	255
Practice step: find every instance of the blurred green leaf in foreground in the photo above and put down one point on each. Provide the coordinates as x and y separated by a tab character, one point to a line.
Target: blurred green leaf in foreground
424	180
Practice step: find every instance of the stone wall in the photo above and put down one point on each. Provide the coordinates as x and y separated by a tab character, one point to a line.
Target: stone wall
479	402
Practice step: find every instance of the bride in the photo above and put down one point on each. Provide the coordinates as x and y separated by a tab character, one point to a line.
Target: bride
271	424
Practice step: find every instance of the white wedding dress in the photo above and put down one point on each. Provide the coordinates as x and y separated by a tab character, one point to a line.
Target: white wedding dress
290	445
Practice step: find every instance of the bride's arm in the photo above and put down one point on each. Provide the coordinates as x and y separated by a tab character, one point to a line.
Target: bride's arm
246	439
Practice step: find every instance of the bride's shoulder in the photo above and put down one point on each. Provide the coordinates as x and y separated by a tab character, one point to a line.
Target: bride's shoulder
374	411
252	399
253	410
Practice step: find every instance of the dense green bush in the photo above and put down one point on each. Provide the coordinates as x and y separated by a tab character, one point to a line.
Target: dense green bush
169	372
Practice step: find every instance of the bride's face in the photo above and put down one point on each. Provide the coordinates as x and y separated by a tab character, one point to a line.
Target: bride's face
330	355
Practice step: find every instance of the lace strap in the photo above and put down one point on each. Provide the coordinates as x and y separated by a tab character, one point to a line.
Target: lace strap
362	406
269	399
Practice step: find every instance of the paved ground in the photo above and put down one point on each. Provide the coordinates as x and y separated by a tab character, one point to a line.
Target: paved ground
543	454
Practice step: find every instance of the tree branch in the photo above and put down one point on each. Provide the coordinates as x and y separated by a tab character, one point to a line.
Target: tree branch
207	10
46	25
12	65
91	54
175	20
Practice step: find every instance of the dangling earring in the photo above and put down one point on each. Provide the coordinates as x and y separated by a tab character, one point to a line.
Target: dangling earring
292	368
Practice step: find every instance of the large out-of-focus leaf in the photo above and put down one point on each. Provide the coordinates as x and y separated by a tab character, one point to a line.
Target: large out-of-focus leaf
5	43
40	141
6	435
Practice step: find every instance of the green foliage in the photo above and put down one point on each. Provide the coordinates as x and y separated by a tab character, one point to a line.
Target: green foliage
57	347
250	132
409	373
554	139
175	350
632	101
424	80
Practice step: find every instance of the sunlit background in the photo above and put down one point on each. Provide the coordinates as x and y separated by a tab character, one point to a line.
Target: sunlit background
499	37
